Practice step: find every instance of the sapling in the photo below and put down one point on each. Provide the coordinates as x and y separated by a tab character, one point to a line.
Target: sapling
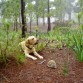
4	54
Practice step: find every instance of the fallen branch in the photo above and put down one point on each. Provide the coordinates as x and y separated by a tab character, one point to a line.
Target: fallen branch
5	78
42	62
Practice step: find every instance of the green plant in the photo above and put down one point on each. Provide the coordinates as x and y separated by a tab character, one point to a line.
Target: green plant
36	30
9	41
20	58
65	69
78	45
40	46
3	56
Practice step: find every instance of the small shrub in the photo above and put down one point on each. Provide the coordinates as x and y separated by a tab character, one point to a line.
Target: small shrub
40	46
8	42
78	45
65	70
4	44
70	37
20	58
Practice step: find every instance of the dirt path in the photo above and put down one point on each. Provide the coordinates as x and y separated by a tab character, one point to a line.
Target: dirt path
35	72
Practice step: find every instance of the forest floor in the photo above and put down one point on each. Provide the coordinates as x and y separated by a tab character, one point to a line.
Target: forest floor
68	70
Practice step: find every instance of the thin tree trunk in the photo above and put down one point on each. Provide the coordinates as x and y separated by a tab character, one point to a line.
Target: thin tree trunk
30	22
16	25
69	15
37	21
25	24
49	25
23	17
19	20
79	20
43	18
37	12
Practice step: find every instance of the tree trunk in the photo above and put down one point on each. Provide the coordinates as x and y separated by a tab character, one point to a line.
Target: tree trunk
30	22
79	20
37	12
69	15
16	24
23	17
37	21
19	20
25	24
49	25
43	18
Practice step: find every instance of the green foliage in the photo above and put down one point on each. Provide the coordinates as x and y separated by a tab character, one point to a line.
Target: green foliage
65	70
20	58
74	40
40	46
64	36
30	8
78	45
8	43
60	7
4	52
10	8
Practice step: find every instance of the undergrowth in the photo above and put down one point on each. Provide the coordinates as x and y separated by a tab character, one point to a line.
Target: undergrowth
69	37
57	38
9	45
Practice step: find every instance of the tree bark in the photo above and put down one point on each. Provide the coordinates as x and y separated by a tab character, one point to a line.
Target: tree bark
16	24
30	22
69	15
19	20
43	18
37	12
49	25
23	18
37	21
